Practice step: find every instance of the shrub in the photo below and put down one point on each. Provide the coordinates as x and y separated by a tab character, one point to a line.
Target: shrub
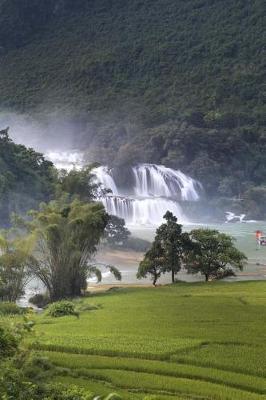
62	308
37	367
8	343
59	392
7	308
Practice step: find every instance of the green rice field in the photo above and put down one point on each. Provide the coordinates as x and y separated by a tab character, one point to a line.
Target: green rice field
186	341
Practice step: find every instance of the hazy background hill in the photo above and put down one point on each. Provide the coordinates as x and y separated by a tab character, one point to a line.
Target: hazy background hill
167	81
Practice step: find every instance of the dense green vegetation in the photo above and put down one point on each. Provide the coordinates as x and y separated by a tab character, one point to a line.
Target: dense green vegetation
176	342
26	178
213	254
162	81
65	237
25	375
56	245
176	82
202	251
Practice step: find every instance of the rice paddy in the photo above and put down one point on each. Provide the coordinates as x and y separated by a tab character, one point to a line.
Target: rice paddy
186	341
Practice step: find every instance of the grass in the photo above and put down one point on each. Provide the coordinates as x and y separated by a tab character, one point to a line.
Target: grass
79	363
169	385
186	341
227	356
131	345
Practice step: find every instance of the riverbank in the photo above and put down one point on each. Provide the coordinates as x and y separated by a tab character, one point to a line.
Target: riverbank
127	261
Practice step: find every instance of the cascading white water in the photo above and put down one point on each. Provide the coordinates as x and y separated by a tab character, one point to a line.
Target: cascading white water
141	211
104	176
158	180
155	189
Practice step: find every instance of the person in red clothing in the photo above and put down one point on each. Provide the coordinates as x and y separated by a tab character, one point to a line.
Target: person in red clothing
258	235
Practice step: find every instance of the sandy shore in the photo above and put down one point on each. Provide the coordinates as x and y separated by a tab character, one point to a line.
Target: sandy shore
102	287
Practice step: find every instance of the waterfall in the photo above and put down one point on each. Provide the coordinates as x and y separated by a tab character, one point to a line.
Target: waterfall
157	180
141	211
105	178
153	190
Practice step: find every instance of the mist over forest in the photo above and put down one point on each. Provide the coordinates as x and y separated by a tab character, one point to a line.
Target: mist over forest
164	82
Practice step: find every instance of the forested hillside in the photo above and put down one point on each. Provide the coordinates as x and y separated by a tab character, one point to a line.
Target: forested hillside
26	178
178	82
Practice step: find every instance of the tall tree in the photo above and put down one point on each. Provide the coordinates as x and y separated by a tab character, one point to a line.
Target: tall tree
116	232
174	242
66	238
79	184
213	255
15	265
153	263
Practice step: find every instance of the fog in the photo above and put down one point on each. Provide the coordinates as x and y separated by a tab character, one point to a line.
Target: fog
58	138
70	142
52	133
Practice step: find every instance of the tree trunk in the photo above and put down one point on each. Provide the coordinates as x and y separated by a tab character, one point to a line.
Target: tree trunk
206	277
173	276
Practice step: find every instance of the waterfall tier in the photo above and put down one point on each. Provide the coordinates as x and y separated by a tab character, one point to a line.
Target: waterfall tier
160	181
147	194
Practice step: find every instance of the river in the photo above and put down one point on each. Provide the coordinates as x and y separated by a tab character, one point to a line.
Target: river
150	190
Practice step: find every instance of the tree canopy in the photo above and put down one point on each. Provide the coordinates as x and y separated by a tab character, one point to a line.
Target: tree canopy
15	265
201	251
167	251
153	263
213	255
77	184
116	232
26	178
174	243
66	236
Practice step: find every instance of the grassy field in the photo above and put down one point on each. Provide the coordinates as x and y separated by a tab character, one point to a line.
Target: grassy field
187	341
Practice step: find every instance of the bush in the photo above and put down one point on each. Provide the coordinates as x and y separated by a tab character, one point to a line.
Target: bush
71	393
16	386
8	343
62	308
40	300
38	368
7	308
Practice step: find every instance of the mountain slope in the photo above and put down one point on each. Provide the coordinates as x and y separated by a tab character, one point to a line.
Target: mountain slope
147	79
171	56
